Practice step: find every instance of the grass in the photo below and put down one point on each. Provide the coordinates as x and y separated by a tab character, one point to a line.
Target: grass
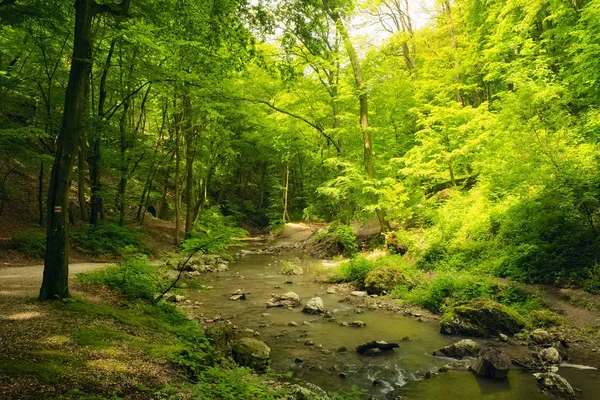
48	370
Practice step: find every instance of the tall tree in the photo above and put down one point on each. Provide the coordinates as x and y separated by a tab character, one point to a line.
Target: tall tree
56	264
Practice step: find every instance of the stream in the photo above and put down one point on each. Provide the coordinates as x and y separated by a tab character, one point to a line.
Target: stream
401	372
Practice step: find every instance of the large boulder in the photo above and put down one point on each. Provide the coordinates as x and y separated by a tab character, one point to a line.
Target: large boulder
384	280
480	318
314	306
220	334
492	363
555	384
290	299
251	353
461	349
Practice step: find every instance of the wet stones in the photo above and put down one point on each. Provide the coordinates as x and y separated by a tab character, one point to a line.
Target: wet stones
174	298
359	293
555	385
290	299
375	347
331	290
457	365
314	306
492	363
550	355
251	353
356	324
461	349
238	295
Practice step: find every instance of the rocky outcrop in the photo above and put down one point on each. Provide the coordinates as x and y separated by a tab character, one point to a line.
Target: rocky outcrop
220	335
555	385
290	299
251	353
492	363
480	318
384	280
461	349
375	347
314	306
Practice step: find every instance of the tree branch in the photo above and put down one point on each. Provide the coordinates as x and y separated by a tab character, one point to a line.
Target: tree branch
296	116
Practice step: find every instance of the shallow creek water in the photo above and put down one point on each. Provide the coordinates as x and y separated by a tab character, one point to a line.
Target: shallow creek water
401	371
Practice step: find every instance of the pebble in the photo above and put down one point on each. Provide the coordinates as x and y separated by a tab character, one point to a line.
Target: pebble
266	314
292	323
305	323
342	349
309	342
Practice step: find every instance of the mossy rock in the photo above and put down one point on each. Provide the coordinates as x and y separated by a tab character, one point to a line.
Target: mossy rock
480	318
383	280
221	335
251	353
290	268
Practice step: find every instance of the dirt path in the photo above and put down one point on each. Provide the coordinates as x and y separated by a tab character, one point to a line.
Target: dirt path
581	309
26	281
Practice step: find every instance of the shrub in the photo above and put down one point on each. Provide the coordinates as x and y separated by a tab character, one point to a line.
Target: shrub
109	239
447	288
355	270
339	239
135	278
31	242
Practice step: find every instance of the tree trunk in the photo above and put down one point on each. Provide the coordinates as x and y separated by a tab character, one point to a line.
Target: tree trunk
55	283
95	155
81	183
41	194
364	105
124	164
177	183
286	215
56	268
190	153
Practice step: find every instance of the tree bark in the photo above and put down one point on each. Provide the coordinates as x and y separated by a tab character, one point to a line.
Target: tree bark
55	283
56	268
41	194
81	182
190	155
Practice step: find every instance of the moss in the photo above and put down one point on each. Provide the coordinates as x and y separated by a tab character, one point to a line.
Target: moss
100	337
290	268
480	318
545	319
385	280
47	371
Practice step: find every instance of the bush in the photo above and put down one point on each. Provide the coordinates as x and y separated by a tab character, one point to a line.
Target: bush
135	278
109	239
339	239
355	270
447	288
31	242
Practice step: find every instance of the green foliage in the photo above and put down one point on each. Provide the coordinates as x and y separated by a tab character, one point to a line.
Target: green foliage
135	278
109	239
339	239
446	288
31	242
224	383
355	270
